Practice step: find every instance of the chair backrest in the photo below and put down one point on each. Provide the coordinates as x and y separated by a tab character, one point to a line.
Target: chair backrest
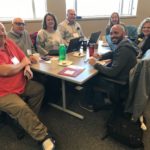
139	86
132	32
33	38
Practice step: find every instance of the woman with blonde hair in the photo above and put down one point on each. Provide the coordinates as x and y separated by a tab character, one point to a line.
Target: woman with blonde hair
143	39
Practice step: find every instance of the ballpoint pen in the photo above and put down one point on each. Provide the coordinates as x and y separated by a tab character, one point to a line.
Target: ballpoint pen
86	60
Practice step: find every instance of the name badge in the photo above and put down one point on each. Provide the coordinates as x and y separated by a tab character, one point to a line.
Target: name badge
15	60
75	35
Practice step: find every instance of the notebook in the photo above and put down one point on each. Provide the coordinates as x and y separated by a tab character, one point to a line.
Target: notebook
74	44
94	37
71	71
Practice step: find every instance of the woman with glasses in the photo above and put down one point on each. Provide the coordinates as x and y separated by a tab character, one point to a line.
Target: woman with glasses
143	39
48	38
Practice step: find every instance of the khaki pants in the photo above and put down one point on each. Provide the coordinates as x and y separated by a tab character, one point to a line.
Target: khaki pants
18	109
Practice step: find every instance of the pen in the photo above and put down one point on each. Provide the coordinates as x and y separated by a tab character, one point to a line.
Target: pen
86	60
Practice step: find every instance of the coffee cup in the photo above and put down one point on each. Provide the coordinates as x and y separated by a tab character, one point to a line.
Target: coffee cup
84	43
91	49
36	57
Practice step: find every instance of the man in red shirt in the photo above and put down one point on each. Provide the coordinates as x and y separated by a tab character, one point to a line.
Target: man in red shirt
15	83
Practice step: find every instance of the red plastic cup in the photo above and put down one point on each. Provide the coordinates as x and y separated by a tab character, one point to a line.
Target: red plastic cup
91	49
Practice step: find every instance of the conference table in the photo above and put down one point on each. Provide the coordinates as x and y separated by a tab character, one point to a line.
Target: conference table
53	68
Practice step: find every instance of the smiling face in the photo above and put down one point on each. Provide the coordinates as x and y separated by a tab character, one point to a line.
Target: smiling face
146	29
71	15
117	34
18	25
115	18
50	22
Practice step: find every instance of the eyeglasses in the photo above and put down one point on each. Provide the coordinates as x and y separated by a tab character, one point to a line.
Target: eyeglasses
19	24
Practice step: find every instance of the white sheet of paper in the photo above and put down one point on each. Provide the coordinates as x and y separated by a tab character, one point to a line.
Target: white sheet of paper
75	35
69	72
15	60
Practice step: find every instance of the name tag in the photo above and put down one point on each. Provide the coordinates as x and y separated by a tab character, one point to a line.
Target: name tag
75	35
15	60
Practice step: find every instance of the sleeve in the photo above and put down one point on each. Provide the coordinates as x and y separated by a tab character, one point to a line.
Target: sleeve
15	50
119	62
30	42
62	31
107	56
40	40
80	30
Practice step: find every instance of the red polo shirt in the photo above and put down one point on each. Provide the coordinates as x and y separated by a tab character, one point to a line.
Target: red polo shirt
16	83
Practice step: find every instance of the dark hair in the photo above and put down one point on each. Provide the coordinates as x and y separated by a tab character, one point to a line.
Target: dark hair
44	26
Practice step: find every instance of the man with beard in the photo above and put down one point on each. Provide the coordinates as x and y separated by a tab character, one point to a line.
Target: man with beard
122	60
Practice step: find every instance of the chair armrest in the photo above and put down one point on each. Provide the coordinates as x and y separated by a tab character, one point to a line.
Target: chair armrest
115	81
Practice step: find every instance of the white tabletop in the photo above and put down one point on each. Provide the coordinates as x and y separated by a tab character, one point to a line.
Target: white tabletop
53	68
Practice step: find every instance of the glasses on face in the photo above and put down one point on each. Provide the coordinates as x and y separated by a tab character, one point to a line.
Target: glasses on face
20	24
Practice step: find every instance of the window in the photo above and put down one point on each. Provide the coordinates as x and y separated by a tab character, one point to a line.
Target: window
26	9
102	8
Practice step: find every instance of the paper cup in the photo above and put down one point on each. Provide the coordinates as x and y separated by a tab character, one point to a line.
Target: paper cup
37	57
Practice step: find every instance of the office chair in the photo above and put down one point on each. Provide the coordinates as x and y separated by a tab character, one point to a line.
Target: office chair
131	32
33	39
120	92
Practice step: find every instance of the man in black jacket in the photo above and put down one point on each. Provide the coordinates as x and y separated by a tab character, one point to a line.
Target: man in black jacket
123	58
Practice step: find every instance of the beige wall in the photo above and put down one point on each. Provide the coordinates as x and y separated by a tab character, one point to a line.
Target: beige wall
58	8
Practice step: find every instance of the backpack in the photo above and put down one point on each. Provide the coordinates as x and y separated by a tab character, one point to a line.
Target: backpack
125	131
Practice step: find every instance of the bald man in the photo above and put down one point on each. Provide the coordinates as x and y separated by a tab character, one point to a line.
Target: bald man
69	28
122	60
21	37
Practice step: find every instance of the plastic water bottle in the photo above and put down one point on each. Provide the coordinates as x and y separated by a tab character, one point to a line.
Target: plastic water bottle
62	52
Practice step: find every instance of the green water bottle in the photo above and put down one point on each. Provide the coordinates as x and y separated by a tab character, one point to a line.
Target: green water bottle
62	52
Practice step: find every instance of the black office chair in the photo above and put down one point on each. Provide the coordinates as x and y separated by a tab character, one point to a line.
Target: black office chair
120	92
132	32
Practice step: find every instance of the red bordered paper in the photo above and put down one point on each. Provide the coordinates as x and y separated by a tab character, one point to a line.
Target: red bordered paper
72	72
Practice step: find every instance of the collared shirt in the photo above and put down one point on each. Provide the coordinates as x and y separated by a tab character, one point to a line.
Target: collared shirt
69	31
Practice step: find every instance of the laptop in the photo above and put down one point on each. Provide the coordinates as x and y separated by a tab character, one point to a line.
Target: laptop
74	44
94	37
